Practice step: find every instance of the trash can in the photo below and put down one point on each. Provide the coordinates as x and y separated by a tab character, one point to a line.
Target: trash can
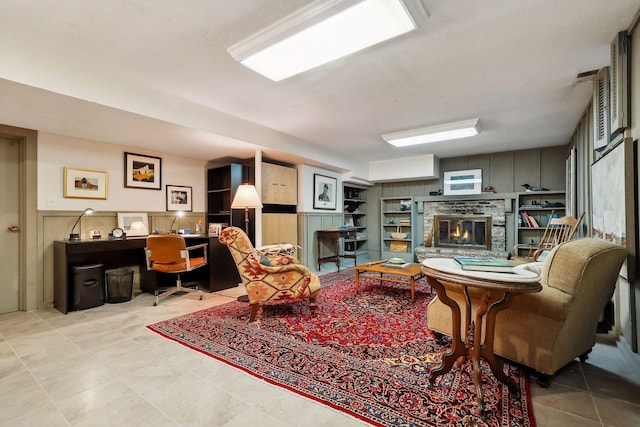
119	285
88	286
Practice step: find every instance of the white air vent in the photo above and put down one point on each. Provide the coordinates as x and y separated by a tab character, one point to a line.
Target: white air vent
619	101
601	109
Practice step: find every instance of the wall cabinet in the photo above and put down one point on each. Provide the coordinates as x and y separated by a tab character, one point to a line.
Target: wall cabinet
355	211
534	211
279	184
279	228
398	231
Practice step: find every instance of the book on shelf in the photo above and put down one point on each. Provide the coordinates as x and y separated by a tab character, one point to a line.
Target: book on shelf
524	220
484	263
395	265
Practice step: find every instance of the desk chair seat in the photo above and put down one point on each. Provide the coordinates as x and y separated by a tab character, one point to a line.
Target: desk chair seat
168	253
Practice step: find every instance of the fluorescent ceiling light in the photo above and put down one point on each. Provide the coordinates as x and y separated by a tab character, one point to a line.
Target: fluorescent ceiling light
323	31
436	133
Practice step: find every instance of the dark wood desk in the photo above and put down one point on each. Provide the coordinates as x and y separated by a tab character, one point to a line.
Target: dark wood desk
497	292
221	274
333	236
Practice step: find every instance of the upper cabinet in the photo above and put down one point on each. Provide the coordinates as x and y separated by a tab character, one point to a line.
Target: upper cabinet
279	184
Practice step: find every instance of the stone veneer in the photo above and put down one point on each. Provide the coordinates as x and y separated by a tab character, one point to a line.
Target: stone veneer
493	207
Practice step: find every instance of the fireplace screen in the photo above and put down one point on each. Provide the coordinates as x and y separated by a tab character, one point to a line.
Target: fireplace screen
468	231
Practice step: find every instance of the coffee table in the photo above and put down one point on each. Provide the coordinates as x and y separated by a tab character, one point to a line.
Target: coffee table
468	340
407	275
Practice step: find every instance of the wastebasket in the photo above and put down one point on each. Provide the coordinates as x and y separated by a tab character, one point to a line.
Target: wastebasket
119	285
88	286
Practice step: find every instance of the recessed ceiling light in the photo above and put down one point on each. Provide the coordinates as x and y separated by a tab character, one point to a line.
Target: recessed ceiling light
435	133
323	31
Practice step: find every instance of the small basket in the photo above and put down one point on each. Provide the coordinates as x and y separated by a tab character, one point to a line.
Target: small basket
398	234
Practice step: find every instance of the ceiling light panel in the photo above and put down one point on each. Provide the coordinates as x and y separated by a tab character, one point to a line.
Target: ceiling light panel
435	133
323	32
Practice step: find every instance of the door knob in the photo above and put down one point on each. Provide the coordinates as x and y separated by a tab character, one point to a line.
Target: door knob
13	228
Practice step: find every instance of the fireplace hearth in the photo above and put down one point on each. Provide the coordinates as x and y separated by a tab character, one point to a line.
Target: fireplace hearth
462	231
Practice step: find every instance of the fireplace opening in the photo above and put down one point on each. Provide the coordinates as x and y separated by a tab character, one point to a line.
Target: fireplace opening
468	231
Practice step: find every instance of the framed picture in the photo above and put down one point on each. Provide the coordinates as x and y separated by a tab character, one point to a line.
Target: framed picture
85	184
325	192
178	198
613	213
215	229
463	182
125	219
142	171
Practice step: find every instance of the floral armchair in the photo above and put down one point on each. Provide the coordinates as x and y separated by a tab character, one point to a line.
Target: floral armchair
274	279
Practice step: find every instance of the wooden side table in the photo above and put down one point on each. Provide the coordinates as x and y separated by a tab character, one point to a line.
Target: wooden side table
334	237
497	292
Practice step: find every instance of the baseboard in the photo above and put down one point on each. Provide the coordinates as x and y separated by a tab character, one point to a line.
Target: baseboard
627	352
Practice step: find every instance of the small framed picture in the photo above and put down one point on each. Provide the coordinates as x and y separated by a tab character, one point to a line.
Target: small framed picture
215	229
179	198
139	220
463	182
85	184
325	192
142	171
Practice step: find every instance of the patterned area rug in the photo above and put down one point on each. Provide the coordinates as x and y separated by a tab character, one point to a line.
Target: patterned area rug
368	354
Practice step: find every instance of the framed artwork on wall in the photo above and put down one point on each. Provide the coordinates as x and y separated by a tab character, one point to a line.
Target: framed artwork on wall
127	219
142	171
179	198
325	192
462	182
85	183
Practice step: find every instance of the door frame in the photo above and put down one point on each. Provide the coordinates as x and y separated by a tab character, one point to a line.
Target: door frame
29	293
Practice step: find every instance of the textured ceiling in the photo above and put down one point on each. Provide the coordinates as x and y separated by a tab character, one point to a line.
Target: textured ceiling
156	74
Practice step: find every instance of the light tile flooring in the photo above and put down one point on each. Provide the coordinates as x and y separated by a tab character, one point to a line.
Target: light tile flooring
102	367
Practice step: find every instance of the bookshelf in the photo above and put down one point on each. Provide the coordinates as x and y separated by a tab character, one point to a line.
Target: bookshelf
534	211
398	215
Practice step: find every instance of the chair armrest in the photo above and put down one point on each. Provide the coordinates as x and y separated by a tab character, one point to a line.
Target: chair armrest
256	265
202	246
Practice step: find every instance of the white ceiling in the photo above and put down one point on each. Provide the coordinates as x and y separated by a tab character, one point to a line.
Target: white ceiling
157	75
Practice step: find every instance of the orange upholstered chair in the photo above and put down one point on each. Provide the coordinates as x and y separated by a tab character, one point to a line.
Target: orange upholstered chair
168	253
283	280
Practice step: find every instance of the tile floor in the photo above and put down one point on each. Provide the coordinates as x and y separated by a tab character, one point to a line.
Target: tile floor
102	367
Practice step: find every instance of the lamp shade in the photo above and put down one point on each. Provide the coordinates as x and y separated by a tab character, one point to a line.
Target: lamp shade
137	228
246	197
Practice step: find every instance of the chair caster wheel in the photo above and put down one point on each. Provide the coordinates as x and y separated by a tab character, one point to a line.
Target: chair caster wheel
155	303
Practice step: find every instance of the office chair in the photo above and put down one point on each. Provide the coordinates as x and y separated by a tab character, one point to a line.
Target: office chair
168	253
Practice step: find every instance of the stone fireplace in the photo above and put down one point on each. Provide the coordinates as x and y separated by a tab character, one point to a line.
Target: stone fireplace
484	220
462	231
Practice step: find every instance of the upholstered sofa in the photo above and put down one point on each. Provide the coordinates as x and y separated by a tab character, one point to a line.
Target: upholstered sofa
546	330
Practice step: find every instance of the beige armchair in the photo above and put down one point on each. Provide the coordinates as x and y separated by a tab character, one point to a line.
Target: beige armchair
278	279
546	330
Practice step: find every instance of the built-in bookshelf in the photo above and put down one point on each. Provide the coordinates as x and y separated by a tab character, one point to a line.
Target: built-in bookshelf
355	211
398	231
534	211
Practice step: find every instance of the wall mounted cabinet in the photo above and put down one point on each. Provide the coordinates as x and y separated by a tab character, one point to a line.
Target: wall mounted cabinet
279	184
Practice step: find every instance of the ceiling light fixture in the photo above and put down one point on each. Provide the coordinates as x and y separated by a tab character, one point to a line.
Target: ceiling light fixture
323	31
435	133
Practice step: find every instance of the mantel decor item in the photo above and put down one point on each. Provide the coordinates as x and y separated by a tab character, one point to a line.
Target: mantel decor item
85	184
325	192
142	171
126	219
463	182
179	198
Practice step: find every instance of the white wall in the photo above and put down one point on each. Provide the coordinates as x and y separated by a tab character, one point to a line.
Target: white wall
305	188
57	151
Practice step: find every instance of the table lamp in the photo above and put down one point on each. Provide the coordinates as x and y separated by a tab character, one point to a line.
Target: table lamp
178	214
246	197
76	236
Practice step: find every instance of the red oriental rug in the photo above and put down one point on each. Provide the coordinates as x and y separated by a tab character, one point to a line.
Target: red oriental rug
368	354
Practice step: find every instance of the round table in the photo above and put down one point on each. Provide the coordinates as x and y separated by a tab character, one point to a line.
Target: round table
497	290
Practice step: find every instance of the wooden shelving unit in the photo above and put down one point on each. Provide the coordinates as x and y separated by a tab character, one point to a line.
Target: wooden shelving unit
539	205
398	214
355	211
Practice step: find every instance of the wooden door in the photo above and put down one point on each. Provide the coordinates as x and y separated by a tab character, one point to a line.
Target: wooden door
10	226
